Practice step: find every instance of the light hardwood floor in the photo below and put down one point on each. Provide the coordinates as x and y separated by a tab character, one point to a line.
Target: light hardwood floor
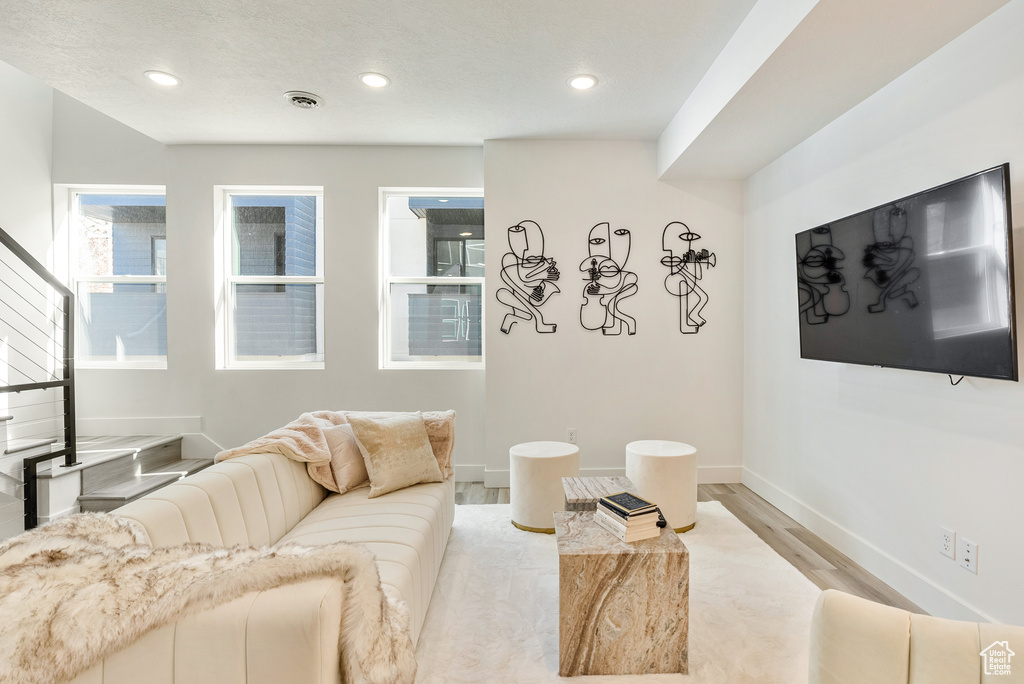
818	561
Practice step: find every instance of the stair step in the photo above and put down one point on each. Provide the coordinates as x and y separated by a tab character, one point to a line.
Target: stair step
17	445
104	460
116	495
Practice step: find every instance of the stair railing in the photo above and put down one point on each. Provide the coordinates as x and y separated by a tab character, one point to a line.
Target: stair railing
30	344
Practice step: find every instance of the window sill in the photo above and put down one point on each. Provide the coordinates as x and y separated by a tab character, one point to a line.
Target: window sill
271	365
122	365
428	365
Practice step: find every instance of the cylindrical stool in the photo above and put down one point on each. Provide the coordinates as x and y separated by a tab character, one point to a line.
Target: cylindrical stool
535	485
666	474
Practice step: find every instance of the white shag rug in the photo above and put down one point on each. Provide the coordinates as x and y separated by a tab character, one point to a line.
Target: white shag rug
493	616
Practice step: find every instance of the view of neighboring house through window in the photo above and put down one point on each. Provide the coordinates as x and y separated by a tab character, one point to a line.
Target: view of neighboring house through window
433	279
119	270
274	289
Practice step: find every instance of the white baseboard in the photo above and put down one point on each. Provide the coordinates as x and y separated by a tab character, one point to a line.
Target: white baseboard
904	579
705	475
196	445
469	473
155	425
496	478
43	519
719	474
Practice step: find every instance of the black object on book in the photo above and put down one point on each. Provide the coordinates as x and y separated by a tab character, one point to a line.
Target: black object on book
627	504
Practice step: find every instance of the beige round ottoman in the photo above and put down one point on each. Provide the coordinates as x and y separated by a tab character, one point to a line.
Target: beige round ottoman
535	485
666	473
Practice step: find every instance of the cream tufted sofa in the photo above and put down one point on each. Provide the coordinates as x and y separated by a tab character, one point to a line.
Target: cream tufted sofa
855	641
289	634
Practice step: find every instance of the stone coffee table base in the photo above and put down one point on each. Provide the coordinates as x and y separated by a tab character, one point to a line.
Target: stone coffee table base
623	608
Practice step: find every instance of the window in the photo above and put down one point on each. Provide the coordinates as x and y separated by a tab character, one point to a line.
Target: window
273	313
432	274
119	268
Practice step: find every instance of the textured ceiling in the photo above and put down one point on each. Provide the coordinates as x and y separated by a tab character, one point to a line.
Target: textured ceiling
462	71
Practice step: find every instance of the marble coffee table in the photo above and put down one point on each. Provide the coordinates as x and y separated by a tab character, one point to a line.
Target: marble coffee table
623	608
582	493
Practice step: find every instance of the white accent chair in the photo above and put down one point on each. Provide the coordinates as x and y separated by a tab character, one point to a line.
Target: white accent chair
856	641
666	473
535	482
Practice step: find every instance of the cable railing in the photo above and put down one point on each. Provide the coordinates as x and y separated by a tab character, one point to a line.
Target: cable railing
37	377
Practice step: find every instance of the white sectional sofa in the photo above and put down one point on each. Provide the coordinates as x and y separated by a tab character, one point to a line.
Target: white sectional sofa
290	633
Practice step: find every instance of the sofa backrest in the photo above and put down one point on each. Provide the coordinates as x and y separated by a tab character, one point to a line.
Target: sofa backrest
251	500
856	641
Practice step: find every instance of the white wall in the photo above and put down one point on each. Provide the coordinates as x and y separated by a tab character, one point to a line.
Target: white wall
874	460
25	150
657	384
235	406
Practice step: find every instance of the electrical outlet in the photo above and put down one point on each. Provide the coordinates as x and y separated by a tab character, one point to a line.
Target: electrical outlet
967	552
572	435
947	542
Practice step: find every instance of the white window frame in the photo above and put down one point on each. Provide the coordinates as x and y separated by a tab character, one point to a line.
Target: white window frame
226	278
387	280
75	278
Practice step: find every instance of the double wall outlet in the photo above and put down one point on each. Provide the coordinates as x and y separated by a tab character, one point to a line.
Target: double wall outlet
947	542
572	435
967	552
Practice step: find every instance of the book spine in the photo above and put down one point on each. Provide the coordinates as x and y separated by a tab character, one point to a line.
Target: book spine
653	513
611	519
640	536
646	523
611	527
613	509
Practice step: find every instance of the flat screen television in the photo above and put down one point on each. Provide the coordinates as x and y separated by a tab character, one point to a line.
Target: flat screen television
922	283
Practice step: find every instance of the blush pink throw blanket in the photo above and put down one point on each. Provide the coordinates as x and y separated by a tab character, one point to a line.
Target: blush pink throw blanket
301	440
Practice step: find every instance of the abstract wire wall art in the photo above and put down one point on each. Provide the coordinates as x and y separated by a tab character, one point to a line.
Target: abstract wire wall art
685	270
821	285
529	276
607	281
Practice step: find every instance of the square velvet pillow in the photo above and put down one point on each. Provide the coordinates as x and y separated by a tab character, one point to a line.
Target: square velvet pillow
396	451
346	458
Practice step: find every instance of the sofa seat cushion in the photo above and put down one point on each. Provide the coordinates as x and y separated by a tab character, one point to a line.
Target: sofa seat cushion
407	530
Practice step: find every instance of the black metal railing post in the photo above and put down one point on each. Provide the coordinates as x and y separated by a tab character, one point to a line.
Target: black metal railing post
67	383
70	432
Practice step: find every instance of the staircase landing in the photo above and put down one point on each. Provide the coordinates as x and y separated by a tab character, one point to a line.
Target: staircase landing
113	471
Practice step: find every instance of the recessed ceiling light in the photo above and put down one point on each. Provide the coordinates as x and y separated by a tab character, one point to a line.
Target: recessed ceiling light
465	234
303	100
442	200
374	80
582	82
163	78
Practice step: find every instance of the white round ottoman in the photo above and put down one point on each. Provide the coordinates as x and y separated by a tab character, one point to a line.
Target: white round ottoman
666	473
535	485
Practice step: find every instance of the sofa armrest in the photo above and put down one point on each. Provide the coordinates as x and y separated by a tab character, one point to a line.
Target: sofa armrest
287	634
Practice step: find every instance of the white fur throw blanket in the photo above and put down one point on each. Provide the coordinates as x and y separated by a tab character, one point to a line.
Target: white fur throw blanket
83	587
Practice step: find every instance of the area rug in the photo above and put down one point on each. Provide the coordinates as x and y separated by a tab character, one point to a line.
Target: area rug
493	616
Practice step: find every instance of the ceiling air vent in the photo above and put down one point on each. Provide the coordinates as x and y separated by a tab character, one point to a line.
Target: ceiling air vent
303	100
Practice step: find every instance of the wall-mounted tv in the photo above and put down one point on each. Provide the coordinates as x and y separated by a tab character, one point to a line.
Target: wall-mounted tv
921	283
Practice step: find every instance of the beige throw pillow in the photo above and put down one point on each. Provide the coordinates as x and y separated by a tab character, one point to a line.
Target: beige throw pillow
346	458
441	431
396	451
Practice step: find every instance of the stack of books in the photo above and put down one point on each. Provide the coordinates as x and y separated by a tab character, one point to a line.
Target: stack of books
629	517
